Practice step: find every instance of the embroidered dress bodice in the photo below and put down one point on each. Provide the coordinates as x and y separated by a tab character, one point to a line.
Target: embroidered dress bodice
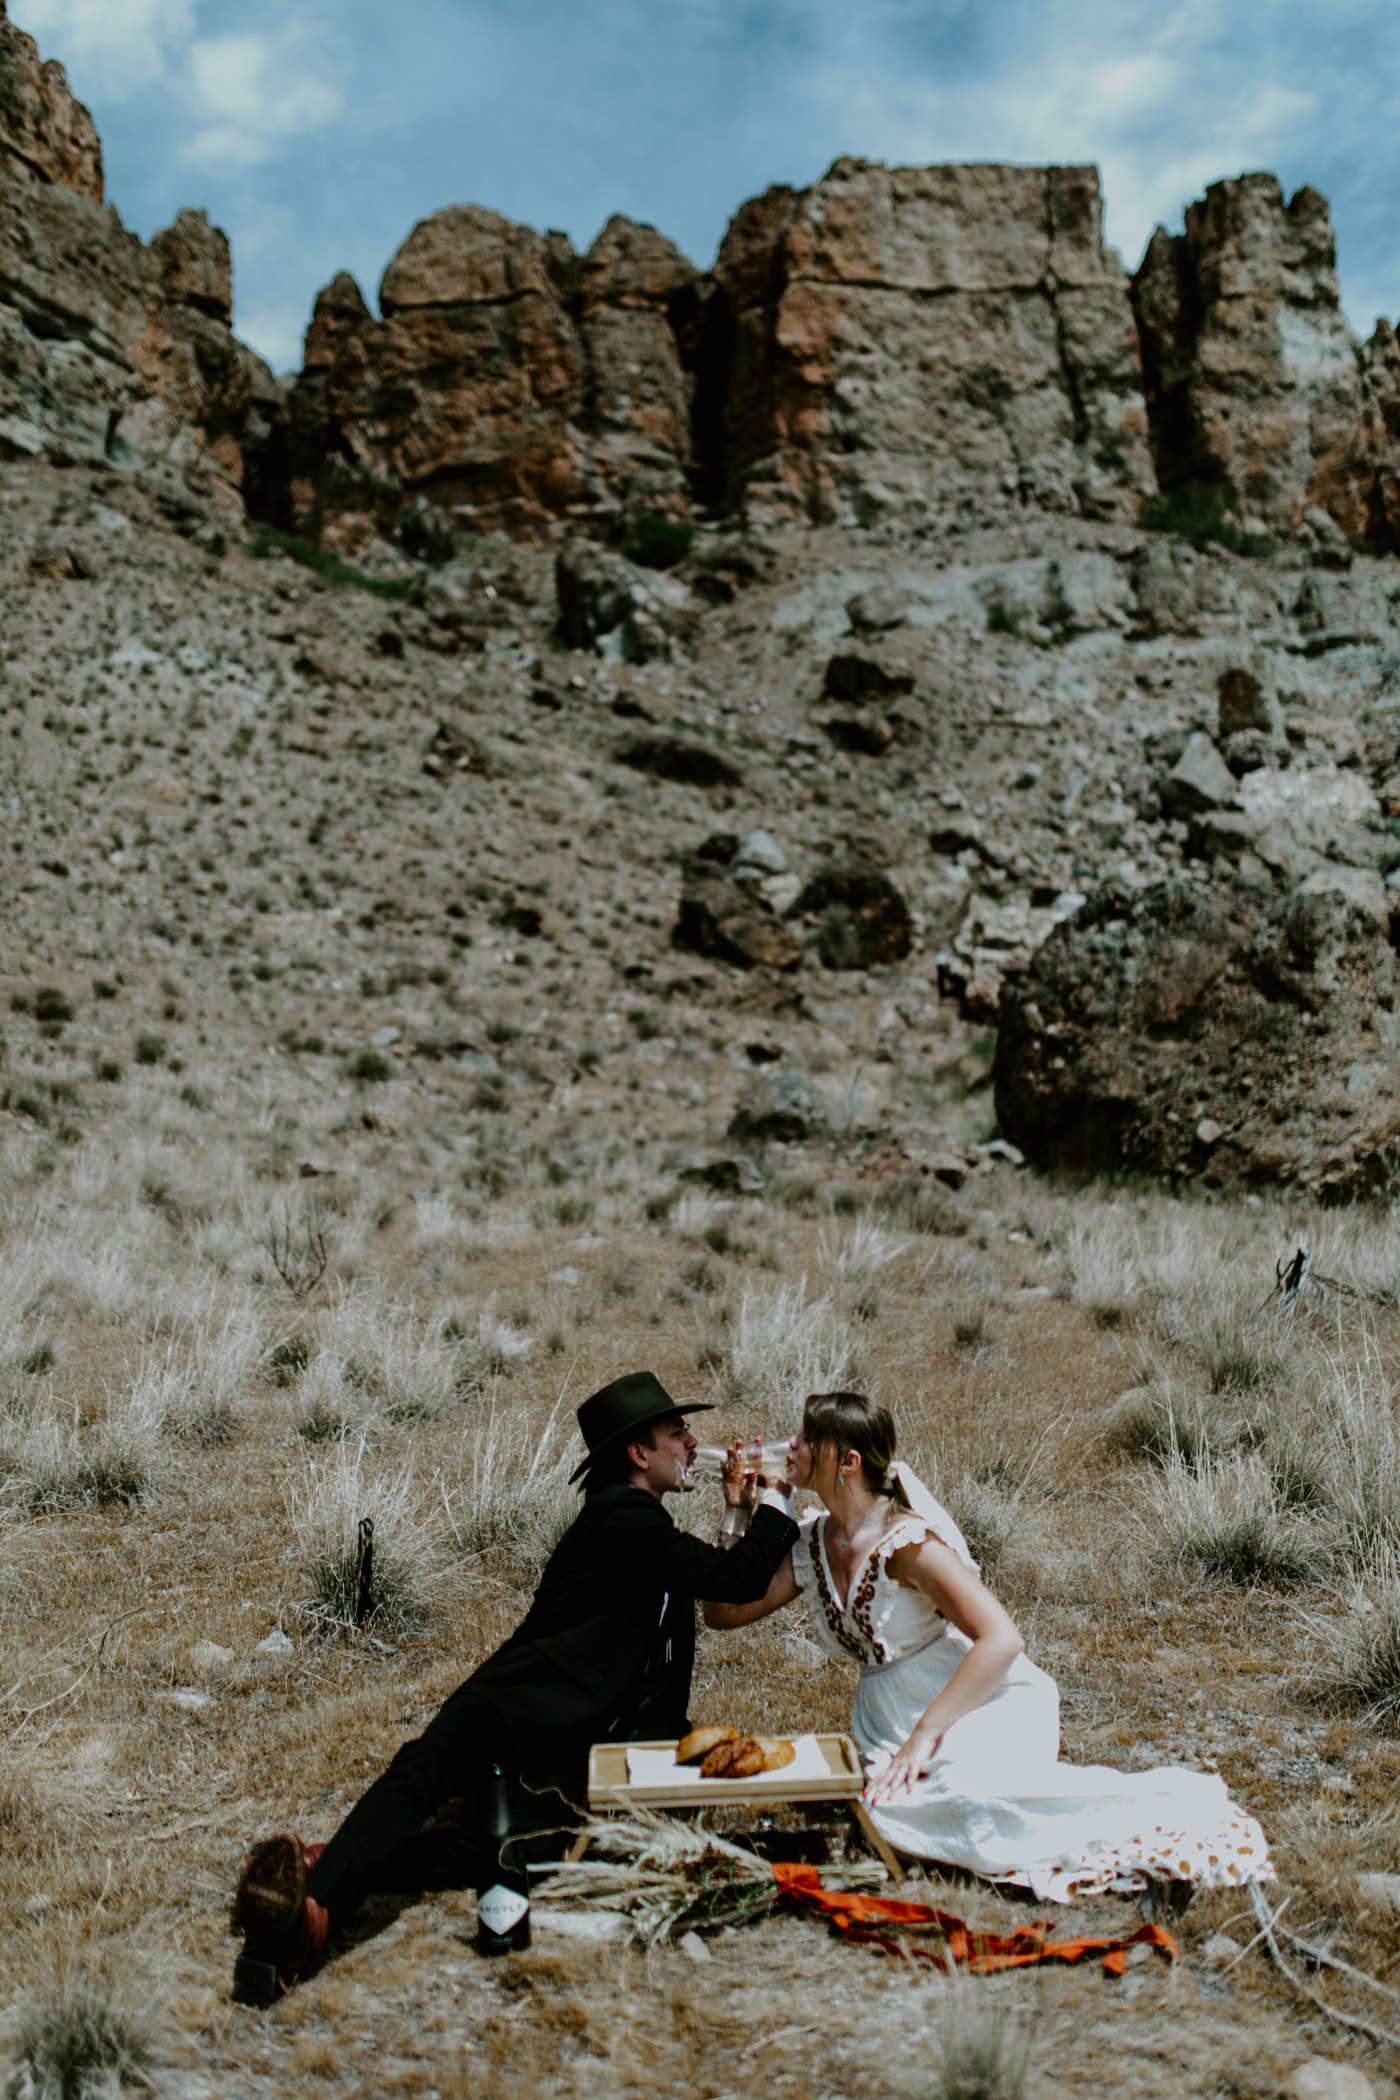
880	1621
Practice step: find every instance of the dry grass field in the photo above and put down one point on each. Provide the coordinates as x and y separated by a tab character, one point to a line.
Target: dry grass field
261	1276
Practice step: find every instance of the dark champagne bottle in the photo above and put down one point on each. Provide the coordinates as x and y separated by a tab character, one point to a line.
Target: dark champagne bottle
503	1891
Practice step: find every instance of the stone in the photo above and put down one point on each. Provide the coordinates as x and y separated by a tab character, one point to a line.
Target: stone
1249	701
856	678
1307	817
865	315
759	851
675	758
718	916
693	1947
859	916
868	734
1156	1010
276	1643
1363	888
1247	750
1255	385
383	1037
780	1106
994	943
955	832
1200	780
569	1276
207	1658
624	613
1219	1948
1324	2078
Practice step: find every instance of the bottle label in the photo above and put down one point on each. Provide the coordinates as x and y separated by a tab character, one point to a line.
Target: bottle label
500	1909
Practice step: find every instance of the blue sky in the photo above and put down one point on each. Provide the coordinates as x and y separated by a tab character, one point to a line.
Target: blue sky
316	132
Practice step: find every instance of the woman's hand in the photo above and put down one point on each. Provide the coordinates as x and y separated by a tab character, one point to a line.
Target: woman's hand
906	1767
741	1489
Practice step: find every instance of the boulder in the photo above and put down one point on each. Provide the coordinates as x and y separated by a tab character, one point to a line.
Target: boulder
724	912
867	733
626	614
781	1106
1154	1013
1255	384
1200	780
860	919
994	944
855	678
111	352
1249	701
676	758
907	338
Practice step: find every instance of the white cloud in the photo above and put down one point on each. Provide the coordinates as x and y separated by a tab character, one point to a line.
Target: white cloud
117	45
249	93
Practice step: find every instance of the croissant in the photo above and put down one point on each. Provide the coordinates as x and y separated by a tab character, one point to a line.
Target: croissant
701	1741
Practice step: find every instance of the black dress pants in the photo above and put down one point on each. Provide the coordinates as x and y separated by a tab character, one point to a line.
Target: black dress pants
374	1847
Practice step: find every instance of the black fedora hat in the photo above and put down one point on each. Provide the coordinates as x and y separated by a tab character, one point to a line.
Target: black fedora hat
628	1403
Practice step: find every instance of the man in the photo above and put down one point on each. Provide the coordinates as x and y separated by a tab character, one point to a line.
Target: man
604	1653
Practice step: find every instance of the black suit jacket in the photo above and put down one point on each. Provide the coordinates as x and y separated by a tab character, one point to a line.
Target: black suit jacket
606	1650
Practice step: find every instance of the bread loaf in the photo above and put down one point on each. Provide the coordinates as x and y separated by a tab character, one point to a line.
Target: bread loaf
740	1759
701	1741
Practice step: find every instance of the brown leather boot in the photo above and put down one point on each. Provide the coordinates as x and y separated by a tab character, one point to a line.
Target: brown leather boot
284	1929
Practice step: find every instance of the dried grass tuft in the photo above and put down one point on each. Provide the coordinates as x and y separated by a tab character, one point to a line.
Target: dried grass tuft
783	1345
88	2033
326	1505
1367	1649
1227	1518
48	1464
980	2048
514	1495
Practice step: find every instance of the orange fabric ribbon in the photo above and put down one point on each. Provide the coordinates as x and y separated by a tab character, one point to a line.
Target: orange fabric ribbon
857	1918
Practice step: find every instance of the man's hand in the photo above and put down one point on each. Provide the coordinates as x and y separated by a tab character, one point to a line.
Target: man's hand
905	1767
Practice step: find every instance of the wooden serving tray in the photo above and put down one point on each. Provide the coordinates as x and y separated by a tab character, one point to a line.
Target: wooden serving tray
609	1786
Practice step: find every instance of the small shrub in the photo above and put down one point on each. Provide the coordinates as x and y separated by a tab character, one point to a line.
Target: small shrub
513	1497
1198	514
52	1006
329	567
656	542
290	1357
572	1210
150	1049
103	989
1005	619
108	1071
368	1067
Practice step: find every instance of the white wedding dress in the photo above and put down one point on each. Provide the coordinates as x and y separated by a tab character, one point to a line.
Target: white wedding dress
996	1799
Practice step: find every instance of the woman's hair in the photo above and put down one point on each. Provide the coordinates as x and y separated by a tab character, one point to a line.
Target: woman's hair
850	1422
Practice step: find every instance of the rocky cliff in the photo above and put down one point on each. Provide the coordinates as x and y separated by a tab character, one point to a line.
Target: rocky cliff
939	343
110	350
1255	384
510	381
930	338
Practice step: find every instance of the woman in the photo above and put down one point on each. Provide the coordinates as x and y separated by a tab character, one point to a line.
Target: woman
959	1729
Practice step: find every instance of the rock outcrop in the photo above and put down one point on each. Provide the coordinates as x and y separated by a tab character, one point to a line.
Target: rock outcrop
110	351
511	382
942	337
1255	384
1178	1032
